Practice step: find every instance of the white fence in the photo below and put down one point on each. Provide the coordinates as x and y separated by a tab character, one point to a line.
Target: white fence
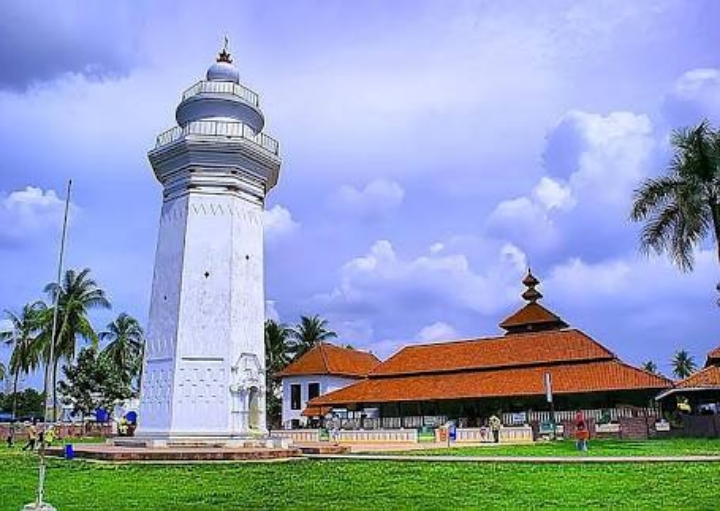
596	414
510	435
297	435
376	435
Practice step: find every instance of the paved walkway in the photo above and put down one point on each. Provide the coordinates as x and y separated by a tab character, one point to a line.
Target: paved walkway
519	459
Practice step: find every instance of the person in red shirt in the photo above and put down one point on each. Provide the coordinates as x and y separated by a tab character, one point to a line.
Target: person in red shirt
581	432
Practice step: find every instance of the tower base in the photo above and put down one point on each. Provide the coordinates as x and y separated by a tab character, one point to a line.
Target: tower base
201	441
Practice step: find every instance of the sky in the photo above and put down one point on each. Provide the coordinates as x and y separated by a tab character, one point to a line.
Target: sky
432	152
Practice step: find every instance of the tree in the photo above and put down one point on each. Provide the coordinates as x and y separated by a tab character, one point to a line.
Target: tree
650	367
93	382
22	336
77	294
29	403
125	348
682	208
683	364
277	356
310	332
3	371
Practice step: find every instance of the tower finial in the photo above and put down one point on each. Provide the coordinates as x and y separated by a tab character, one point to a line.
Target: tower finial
224	55
531	294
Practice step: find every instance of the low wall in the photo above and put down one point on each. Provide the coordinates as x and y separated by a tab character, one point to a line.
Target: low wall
510	434
62	431
376	436
297	435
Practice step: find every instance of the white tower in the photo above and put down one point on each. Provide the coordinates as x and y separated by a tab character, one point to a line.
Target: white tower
204	367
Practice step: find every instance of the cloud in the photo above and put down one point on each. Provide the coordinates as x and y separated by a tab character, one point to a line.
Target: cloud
26	214
694	97
278	223
378	198
45	40
633	280
438	331
593	163
382	283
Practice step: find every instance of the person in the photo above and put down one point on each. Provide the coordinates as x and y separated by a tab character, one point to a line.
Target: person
49	436
581	432
495	428
10	434
32	436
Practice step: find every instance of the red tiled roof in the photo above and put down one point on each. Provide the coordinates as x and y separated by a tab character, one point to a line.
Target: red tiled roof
708	377
532	314
327	358
508	351
713	357
316	411
596	376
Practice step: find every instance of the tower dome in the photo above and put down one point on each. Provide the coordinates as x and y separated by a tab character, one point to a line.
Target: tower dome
223	72
221	98
223	69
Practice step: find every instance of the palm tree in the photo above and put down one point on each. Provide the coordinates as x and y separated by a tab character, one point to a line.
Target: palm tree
3	371
77	294
23	337
125	348
683	364
277	346
310	332
277	356
650	367
682	208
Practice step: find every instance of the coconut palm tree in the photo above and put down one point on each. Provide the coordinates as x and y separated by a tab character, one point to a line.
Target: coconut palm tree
125	349
683	364
310	332
682	208
77	294
277	346
650	367
22	336
277	356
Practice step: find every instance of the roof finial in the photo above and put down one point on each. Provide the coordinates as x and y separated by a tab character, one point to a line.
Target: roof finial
224	55
531	294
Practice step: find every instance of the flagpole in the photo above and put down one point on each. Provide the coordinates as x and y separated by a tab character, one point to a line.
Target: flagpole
39	503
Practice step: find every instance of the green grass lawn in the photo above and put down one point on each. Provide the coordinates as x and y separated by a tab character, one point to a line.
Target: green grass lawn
670	447
347	485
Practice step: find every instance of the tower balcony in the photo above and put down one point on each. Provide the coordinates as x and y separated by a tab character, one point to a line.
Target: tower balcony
222	129
233	89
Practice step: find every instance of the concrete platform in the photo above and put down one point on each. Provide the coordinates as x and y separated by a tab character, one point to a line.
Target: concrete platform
107	452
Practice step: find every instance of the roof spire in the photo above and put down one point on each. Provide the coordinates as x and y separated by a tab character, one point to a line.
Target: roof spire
224	55
531	294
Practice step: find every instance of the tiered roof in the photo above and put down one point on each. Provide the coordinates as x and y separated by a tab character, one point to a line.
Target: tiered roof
537	342
713	358
328	359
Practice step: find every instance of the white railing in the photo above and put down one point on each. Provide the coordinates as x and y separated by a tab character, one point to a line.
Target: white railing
297	435
376	435
412	421
222	88
514	435
596	414
218	129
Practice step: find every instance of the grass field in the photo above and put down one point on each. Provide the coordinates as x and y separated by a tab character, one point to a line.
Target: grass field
329	485
674	447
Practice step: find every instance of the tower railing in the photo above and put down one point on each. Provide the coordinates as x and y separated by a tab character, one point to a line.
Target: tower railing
222	88
218	129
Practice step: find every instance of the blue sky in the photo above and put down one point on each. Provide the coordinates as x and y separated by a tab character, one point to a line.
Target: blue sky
432	151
